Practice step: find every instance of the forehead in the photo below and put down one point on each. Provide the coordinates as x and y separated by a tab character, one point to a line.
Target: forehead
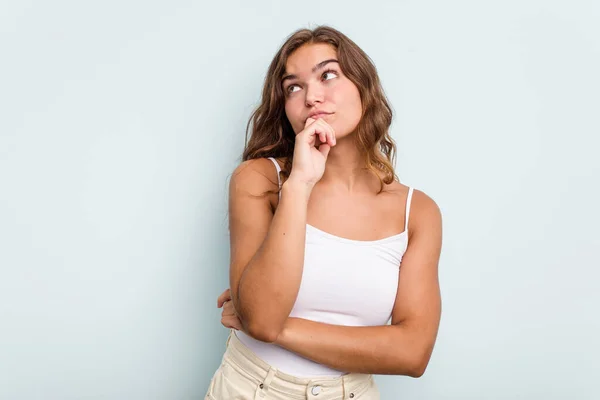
307	56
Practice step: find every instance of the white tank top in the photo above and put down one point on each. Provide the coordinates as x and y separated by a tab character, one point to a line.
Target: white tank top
344	282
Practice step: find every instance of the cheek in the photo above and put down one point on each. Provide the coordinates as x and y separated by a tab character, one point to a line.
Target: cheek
293	115
354	102
351	107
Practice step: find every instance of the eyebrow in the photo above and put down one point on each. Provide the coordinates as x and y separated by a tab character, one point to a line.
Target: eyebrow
314	69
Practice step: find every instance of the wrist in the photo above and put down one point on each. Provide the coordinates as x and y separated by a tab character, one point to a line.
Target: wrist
297	188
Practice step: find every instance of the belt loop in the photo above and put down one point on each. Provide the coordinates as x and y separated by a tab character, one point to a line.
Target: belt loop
262	389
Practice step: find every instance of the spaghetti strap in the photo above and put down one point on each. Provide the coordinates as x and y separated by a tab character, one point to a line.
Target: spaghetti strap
408	201
278	173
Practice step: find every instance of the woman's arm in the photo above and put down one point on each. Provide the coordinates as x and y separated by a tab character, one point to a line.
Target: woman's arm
267	250
405	346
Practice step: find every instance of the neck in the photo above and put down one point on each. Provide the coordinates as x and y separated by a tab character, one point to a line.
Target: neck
346	169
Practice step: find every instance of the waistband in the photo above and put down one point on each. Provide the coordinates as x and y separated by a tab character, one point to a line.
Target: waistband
324	388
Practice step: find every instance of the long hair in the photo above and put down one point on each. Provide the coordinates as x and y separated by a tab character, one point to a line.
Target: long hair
270	131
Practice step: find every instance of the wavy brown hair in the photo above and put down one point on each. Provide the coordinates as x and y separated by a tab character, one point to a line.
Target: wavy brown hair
270	131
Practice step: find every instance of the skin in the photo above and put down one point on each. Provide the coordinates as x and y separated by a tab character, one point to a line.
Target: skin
325	90
343	188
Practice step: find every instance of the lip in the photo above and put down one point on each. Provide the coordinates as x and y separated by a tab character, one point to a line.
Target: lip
318	114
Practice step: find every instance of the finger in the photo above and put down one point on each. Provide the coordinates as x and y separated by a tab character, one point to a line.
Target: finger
322	131
328	131
227	322
231	322
333	139
223	297
228	309
323	136
228	314
315	132
308	122
324	149
318	141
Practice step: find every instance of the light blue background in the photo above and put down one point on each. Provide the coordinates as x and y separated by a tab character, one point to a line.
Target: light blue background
120	122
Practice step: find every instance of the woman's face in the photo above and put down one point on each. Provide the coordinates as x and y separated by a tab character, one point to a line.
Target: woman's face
313	82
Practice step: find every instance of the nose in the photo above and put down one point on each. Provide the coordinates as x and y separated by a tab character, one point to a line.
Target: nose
314	94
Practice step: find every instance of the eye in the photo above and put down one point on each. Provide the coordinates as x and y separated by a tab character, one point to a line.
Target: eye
291	87
329	72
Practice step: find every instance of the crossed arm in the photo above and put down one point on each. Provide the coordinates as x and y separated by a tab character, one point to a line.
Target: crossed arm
405	346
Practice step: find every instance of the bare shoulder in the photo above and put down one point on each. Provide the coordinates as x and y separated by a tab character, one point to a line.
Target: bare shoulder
255	177
425	214
424	211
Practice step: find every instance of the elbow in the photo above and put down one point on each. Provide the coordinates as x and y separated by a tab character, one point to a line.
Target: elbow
417	370
262	332
264	328
418	366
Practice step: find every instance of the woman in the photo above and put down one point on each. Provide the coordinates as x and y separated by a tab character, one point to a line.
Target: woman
323	252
